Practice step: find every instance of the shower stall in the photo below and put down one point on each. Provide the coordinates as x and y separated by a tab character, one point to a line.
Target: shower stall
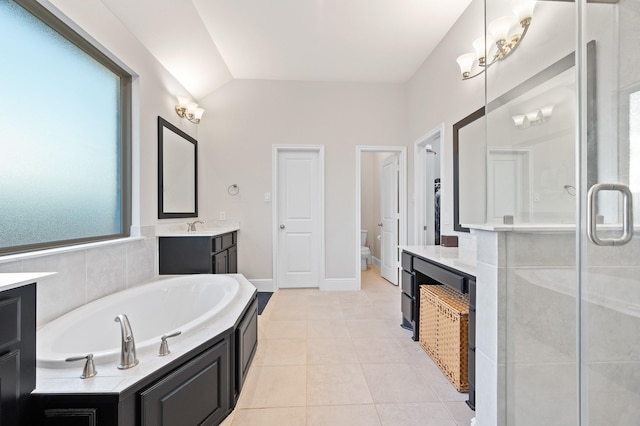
559	289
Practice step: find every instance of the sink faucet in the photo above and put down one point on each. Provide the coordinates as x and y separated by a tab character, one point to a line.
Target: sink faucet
128	347
191	226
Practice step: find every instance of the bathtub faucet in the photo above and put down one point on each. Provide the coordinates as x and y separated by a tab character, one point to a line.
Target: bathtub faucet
128	347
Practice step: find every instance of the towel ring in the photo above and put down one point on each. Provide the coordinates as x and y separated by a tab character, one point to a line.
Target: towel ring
233	190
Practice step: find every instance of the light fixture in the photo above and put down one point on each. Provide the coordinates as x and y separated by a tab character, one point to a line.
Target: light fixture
533	118
188	109
502	35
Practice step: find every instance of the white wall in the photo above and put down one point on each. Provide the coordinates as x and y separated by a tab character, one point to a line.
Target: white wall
246	117
436	94
86	273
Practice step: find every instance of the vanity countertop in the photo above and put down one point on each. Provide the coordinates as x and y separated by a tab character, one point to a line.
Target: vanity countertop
463	260
18	279
211	232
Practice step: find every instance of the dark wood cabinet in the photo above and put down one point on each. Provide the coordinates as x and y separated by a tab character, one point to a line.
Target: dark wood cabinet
196	393
198	254
246	345
17	353
417	271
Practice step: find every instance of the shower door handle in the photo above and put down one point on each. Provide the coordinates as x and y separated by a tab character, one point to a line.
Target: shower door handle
627	214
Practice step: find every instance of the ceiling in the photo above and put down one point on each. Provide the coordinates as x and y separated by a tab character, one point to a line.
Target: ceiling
206	43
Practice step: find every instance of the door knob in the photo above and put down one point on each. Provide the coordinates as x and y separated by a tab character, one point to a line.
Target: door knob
281	226
380	225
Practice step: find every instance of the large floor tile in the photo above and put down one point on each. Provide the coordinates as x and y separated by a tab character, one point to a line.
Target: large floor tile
331	351
327	329
282	352
343	415
337	385
285	329
274	386
414	414
287	416
379	350
397	383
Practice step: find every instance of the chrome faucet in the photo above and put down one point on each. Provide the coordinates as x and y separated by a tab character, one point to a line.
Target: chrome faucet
128	346
191	226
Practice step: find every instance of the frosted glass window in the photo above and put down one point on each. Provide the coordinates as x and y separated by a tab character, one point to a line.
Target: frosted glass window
62	174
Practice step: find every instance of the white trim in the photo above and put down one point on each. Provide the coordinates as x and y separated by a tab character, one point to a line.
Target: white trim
402	181
419	180
341	284
274	205
266	284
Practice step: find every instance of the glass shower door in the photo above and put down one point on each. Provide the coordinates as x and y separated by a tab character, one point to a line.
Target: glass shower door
608	250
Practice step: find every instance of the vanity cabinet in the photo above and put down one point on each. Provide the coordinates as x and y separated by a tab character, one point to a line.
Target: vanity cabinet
17	353
246	345
416	271
194	394
198	254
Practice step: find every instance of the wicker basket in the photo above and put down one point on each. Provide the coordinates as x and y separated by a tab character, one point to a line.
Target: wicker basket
444	331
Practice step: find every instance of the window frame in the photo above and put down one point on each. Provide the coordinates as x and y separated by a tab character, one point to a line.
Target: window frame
125	135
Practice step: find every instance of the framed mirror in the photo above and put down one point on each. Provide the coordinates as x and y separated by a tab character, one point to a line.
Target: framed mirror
503	175
177	172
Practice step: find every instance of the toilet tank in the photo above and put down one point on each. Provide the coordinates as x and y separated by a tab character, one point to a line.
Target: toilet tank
363	237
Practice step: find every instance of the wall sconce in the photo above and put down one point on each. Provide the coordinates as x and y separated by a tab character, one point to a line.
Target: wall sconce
533	118
499	36
188	109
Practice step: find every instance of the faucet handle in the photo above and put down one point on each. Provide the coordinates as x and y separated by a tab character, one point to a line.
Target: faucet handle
164	346
89	369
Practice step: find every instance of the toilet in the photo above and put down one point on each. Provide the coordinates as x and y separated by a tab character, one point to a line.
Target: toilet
365	253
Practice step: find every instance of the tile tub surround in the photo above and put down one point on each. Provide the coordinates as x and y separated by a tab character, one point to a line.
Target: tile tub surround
86	272
110	379
342	358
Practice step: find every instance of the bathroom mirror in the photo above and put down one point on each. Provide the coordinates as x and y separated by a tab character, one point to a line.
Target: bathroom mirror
495	172
177	172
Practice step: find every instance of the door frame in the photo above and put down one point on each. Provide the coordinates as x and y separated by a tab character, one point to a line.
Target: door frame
420	181
275	150
401	151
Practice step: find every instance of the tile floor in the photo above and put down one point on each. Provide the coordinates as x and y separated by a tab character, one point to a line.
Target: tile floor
341	358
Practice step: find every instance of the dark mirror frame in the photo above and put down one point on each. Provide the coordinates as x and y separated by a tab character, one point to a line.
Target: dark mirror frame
164	124
556	68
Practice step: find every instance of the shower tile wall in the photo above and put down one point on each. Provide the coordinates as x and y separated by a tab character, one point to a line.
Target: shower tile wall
526	330
88	274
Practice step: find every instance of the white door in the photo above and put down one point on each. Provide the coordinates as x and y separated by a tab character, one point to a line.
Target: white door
508	186
298	219
390	217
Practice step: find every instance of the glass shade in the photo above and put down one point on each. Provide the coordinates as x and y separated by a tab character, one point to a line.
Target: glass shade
547	111
483	46
500	27
518	120
465	62
183	101
523	9
197	113
191	106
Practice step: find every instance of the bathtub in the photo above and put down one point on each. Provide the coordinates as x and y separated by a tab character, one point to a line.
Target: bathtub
182	303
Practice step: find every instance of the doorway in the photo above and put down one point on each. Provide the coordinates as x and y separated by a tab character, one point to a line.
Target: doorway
427	155
374	230
298	218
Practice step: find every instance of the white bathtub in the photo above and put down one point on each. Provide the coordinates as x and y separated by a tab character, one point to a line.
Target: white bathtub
161	307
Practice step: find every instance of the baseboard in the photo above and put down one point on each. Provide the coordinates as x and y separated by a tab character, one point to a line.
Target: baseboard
376	261
266	285
339	284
